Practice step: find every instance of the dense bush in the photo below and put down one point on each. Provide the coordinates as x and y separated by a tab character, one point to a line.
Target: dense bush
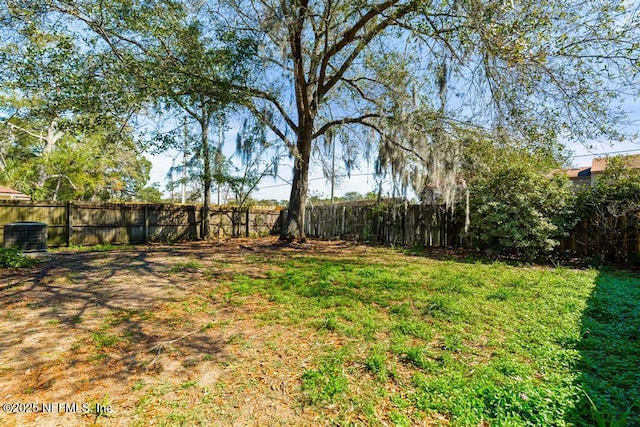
517	210
13	258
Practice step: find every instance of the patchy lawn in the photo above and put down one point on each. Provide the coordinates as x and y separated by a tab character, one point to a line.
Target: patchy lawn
248	332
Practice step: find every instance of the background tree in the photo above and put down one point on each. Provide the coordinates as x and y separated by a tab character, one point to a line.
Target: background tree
82	166
611	207
258	160
66	132
161	52
150	194
153	55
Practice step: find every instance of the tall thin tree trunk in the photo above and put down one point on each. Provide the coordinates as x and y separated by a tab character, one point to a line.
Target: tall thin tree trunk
49	144
204	125
218	159
184	162
55	194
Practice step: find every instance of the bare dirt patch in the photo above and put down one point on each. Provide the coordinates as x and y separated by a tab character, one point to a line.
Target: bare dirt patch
148	332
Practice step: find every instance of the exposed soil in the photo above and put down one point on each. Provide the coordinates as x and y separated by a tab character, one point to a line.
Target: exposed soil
145	330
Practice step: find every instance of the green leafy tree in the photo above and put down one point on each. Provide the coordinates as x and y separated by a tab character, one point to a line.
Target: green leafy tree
150	194
384	74
66	132
352	196
159	55
83	166
36	69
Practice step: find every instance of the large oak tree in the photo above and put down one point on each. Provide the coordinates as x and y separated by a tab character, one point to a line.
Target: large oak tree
411	79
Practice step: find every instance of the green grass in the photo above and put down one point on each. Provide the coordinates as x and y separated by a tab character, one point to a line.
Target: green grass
470	342
182	266
385	338
102	340
113	330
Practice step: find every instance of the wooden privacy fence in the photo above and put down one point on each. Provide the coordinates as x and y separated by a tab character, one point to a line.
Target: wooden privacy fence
89	223
398	224
608	237
615	238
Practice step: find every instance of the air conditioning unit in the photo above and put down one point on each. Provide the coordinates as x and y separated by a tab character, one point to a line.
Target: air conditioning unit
29	237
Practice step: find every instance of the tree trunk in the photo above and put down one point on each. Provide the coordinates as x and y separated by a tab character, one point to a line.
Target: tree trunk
204	126
49	144
294	224
55	194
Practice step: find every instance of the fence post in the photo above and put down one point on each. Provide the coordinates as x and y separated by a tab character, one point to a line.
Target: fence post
220	224
69	224
403	223
145	211
283	220
202	222
246	226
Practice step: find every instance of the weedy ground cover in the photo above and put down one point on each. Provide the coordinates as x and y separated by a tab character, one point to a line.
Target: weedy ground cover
248	332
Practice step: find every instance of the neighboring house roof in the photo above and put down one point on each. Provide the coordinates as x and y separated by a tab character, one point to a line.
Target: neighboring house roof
587	175
599	165
582	172
11	194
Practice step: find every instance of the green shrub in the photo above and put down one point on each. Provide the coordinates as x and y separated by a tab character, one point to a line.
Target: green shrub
520	211
13	258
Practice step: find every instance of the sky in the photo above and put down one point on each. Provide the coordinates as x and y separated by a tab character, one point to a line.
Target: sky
362	180
583	155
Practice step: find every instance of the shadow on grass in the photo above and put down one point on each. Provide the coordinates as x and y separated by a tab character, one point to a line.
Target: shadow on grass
102	314
610	353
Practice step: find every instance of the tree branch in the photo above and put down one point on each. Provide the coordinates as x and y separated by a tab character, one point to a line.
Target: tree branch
28	132
393	141
362	44
268	97
346	121
261	116
348	37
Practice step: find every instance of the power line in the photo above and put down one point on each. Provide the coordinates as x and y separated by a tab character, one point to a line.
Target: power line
313	179
606	153
275	186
